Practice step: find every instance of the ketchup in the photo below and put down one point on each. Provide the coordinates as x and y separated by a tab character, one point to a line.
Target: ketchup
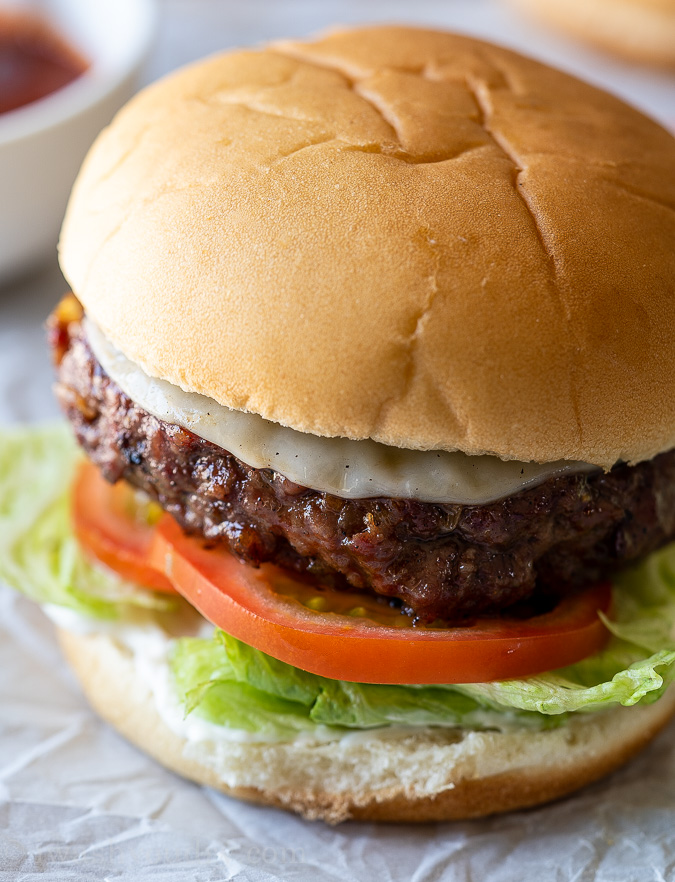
34	60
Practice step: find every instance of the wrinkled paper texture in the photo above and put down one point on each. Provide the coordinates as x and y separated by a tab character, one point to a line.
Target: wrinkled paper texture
79	803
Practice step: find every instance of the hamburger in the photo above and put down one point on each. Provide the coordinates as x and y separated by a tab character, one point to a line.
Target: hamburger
370	356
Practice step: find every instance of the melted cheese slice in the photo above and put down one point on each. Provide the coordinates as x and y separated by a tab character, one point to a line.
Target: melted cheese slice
340	466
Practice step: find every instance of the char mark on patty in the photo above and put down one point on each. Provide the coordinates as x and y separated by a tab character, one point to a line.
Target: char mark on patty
441	561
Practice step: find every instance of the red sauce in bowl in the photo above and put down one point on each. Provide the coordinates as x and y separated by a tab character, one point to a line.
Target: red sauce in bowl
34	60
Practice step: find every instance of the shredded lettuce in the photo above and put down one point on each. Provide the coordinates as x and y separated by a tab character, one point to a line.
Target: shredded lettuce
39	555
231	684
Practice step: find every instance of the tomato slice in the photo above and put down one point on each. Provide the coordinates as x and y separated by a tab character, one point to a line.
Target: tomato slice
111	526
255	606
340	635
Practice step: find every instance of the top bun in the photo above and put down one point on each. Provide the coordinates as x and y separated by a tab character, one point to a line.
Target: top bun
392	233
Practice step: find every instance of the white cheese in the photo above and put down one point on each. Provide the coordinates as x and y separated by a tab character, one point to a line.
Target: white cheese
340	466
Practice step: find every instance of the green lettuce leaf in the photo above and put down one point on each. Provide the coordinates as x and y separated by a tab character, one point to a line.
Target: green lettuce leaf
209	673
207	684
39	555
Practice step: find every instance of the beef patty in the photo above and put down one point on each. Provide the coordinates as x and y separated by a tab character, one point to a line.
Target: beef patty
442	561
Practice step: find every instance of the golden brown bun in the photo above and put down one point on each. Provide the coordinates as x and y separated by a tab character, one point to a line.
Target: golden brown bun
392	233
431	776
642	30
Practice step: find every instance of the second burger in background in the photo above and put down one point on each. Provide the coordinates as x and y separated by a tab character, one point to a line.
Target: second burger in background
637	30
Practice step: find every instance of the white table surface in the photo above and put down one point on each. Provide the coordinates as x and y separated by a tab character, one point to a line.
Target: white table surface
77	802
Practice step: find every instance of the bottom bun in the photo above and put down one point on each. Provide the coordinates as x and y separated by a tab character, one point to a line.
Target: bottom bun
387	775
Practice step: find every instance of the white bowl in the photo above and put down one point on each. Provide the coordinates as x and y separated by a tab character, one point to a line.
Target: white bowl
42	145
